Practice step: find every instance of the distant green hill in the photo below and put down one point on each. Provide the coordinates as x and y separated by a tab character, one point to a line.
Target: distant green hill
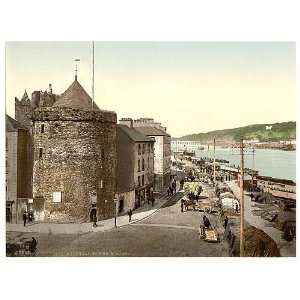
278	132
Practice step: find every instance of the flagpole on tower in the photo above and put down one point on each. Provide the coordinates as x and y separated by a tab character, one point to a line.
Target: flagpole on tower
93	80
76	61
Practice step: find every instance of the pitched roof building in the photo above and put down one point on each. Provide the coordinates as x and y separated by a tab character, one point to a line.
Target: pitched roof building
135	167
162	148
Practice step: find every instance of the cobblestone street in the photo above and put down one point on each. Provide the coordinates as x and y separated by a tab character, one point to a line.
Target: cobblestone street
167	232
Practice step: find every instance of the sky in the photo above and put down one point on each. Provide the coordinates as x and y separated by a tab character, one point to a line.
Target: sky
189	87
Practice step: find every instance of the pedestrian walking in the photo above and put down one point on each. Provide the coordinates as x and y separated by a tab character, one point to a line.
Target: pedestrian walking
152	200
130	215
25	217
94	220
225	222
168	191
206	222
151	192
181	183
30	216
181	205
174	186
236	208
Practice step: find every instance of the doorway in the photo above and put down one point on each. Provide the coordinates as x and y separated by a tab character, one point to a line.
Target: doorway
8	213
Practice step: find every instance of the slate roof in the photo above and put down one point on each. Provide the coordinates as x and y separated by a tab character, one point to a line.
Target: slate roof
151	131
134	134
75	97
13	125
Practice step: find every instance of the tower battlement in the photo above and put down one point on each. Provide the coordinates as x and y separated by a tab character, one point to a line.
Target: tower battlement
73	114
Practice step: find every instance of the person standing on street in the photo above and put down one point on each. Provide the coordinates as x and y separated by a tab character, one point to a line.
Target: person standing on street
174	186
25	217
152	200
206	222
181	205
30	216
236	208
95	220
225	222
130	215
33	245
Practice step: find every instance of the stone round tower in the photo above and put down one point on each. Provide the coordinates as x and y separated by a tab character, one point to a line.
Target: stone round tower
74	158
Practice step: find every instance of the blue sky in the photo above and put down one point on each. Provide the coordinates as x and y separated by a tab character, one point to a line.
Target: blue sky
189	86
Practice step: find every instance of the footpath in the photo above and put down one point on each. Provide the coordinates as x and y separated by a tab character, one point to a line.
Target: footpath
73	228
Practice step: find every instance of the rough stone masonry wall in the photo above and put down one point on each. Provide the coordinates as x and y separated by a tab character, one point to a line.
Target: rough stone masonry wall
24	165
79	151
23	114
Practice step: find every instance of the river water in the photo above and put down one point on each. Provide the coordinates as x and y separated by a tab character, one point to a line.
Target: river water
274	163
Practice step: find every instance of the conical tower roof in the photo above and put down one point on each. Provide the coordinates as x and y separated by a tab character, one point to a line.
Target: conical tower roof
75	97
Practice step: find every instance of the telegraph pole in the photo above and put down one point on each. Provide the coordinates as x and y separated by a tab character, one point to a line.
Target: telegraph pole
242	200
253	166
214	160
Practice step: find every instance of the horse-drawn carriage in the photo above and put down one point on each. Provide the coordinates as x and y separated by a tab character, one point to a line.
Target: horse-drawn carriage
188	203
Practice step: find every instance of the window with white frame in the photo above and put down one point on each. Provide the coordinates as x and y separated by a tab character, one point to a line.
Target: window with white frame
57	197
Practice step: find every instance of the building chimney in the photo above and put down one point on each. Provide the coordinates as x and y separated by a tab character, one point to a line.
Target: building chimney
127	122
